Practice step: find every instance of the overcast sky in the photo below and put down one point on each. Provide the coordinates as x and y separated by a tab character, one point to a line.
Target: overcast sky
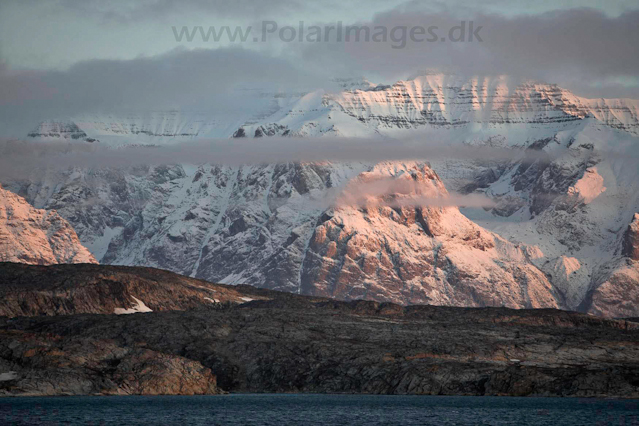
70	56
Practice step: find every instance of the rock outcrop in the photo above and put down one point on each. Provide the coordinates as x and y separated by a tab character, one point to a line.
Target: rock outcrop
59	130
616	292
95	367
272	226
630	246
36	236
448	101
616	289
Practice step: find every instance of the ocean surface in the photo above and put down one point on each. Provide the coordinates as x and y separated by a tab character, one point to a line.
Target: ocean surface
289	409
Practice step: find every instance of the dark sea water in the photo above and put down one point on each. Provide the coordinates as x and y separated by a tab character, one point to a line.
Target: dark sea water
306	410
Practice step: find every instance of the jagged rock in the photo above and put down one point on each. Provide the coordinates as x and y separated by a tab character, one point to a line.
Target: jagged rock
615	287
437	100
426	100
411	254
270	130
59	130
631	239
615	292
36	236
239	133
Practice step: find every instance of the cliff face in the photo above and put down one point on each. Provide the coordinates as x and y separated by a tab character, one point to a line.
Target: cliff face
275	226
294	343
631	239
36	236
447	100
436	100
618	293
395	247
95	367
58	130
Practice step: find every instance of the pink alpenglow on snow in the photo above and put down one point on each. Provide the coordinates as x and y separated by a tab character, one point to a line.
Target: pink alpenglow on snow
30	235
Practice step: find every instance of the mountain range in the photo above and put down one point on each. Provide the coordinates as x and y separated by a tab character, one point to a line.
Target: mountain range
560	230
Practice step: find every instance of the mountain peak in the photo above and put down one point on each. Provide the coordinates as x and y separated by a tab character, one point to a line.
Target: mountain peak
29	235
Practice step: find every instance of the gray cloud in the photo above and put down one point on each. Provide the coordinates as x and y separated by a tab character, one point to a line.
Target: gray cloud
583	49
578	47
131	12
405	192
20	158
204	80
125	11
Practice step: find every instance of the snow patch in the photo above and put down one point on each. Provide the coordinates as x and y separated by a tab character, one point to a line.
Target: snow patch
10	375
234	278
566	266
99	246
140	307
589	187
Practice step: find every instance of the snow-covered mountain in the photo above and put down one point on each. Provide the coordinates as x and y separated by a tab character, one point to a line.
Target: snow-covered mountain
490	105
558	235
41	237
164	127
485	105
391	247
575	206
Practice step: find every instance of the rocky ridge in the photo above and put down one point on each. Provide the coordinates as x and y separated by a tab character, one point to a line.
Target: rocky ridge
27	290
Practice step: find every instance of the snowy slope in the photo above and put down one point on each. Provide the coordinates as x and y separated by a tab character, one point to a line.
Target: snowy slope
574	207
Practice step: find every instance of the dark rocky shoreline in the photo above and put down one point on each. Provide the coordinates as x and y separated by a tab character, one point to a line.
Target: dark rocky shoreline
290	343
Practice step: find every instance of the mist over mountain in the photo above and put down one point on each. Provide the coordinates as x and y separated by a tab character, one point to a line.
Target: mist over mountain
441	189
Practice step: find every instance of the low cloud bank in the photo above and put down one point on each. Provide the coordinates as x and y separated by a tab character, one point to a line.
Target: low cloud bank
405	192
20	158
